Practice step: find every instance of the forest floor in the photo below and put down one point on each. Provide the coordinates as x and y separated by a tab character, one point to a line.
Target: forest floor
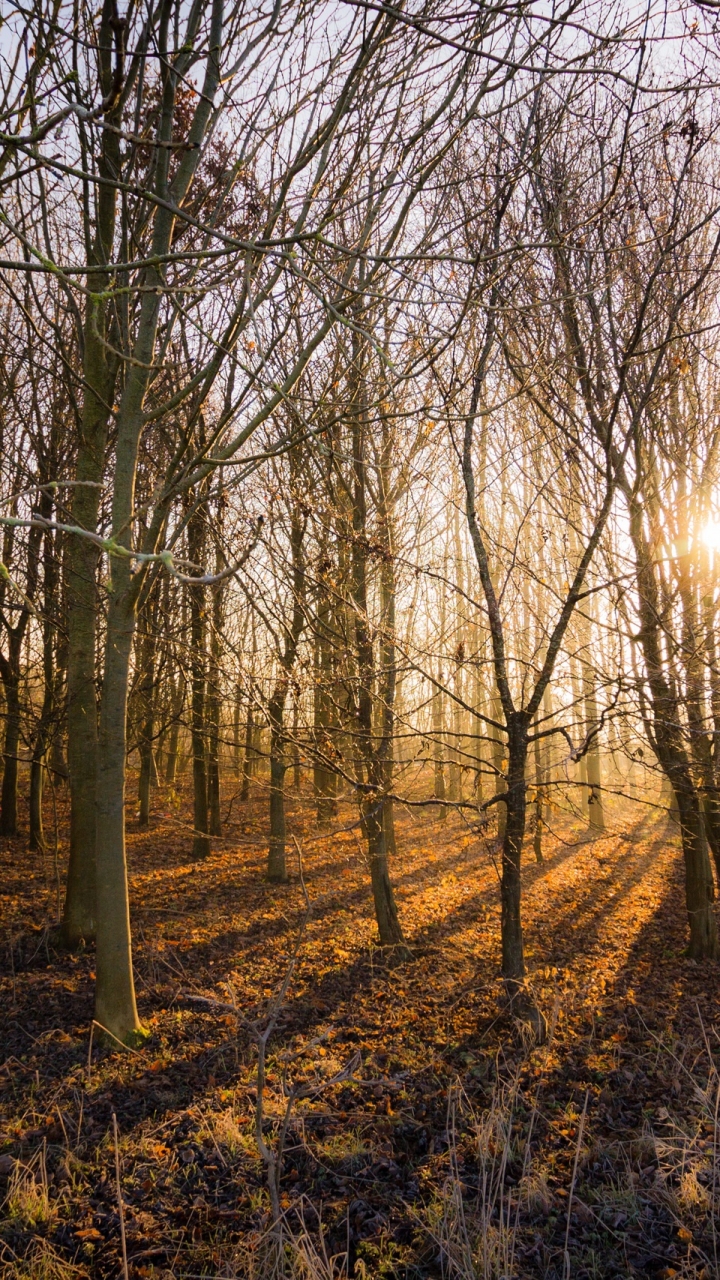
455	1147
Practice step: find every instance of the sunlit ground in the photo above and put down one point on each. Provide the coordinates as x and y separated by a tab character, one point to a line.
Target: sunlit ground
605	930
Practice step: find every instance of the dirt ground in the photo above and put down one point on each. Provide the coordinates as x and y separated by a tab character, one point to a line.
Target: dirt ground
451	1145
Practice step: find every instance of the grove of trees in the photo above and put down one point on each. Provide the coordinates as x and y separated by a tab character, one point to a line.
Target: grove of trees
359	432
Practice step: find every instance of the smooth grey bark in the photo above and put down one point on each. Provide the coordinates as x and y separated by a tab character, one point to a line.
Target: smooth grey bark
373	752
324	780
213	711
116	1008
176	702
10	669
47	711
147	656
198	674
100	369
276	869
438	746
248	754
11	673
539	798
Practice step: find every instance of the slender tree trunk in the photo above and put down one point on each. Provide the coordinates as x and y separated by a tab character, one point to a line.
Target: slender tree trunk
388	655
438	748
479	725
115	1007
42	736
593	768
146	716
99	377
237	745
247	769
11	747
324	780
579	710
499	765
596	810
539	798
198	666
373	801
176	702
455	779
699	889
296	744
277	871
213	711
513	960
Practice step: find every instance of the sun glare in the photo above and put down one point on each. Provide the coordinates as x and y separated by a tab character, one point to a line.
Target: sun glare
711	535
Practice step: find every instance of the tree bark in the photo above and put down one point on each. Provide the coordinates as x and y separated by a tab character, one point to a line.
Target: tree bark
146	715
11	745
44	727
198	671
276	869
373	798
100	369
213	710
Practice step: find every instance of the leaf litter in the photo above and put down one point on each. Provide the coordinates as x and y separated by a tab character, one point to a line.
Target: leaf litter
455	1146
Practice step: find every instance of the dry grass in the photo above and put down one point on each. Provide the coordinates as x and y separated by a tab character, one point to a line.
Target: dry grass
28	1200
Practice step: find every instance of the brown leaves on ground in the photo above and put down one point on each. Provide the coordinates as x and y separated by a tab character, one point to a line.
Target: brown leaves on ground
450	1151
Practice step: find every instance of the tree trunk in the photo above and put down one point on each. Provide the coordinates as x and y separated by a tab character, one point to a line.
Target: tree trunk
699	889
213	711
276	709
237	748
44	727
146	717
595	808
276	870
438	748
196	545
539	798
324	780
115	1007
498	751
296	745
373	801
513	960
669	748
176	703
99	377
247	769
11	747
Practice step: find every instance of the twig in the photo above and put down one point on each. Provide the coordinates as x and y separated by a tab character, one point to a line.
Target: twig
123	1242
89	1061
572	1184
117	1039
12	966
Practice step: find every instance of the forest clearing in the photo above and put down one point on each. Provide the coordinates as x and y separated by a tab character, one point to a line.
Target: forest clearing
454	1136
